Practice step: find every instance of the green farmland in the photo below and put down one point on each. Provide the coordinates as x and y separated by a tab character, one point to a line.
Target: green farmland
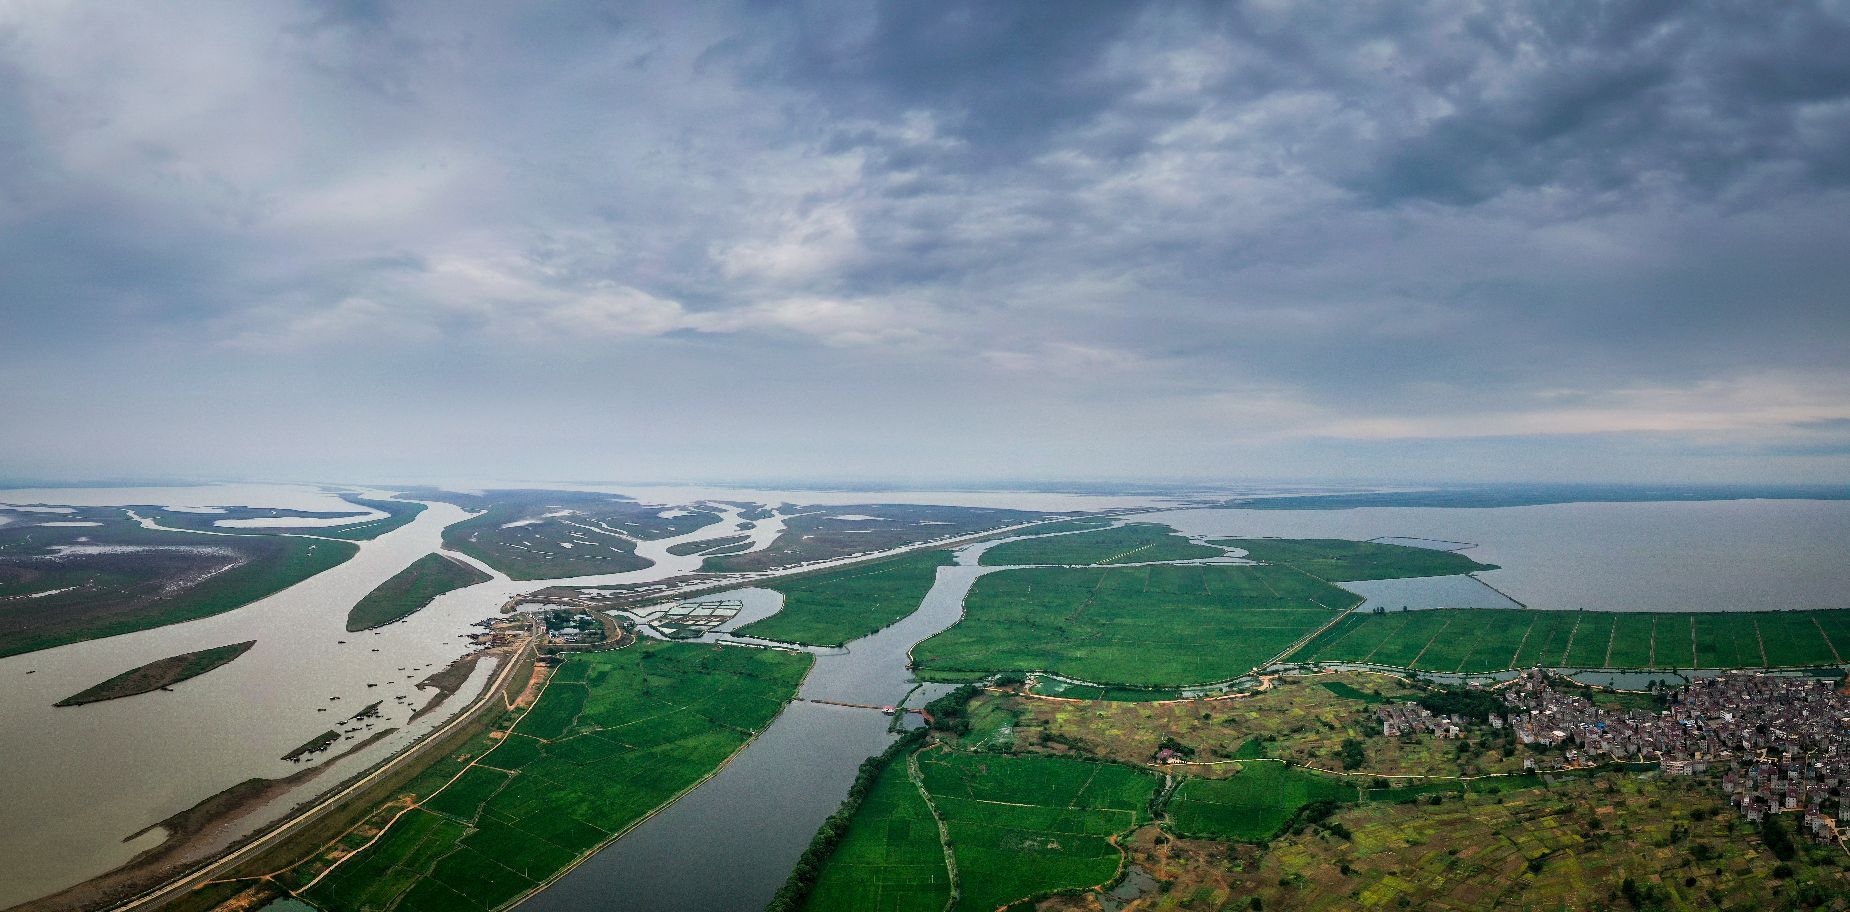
1484	640
1340	560
1253	805
891	859
830	609
614	736
1133	543
1019	827
412	588
1141	626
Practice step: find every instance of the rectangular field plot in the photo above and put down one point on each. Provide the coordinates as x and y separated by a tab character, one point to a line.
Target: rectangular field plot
1727	641
613	736
1631	641
1144	626
1546	640
1795	638
1025	826
891	859
1254	804
1592	640
1473	640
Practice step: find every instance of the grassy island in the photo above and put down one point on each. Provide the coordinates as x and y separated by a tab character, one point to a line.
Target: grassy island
829	609
157	675
1127	544
412	588
1341	560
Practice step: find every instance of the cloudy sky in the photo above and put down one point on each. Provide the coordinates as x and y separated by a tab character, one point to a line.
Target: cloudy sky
926	241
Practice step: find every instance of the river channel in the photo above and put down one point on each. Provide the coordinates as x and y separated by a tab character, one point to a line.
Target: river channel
78	781
730	843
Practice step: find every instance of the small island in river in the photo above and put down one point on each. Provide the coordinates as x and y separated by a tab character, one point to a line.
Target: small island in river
159	674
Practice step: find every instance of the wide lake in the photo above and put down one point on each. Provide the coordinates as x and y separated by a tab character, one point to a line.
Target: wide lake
1730	555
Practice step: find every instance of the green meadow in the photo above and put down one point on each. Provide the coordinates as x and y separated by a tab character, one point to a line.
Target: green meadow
412	588
1341	560
1133	543
829	609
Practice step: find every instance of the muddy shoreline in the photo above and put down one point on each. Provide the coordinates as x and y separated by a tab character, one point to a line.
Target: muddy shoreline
192	834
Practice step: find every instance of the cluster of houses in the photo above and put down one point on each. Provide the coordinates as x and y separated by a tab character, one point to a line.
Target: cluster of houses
1414	719
572	627
1783	742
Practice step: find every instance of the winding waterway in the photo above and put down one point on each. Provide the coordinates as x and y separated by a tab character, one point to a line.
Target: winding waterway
730	843
79	780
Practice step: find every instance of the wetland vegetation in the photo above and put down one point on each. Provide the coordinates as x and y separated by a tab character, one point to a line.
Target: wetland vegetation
63	584
1340	560
1126	544
412	588
827	533
159	674
397	513
723	544
549	534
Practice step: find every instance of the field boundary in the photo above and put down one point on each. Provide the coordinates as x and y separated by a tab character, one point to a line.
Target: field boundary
917	777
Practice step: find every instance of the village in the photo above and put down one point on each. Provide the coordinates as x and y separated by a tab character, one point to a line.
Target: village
1781	743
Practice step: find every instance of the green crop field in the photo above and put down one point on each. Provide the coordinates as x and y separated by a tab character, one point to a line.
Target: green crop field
1146	626
1254	804
412	588
1484	639
614	736
1340	560
829	609
1020	827
1027	826
891	859
1133	543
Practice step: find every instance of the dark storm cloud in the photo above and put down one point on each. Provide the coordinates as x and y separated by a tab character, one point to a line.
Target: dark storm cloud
1278	233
